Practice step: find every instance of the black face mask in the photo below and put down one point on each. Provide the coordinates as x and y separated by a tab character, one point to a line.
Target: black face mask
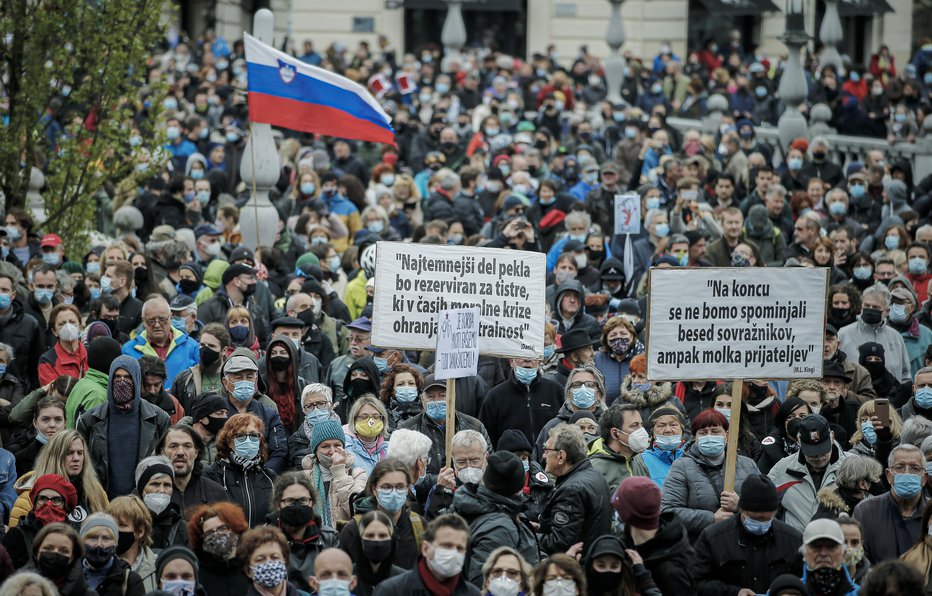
603	581
141	275
307	316
125	542
112	326
53	565
209	357
595	256
296	516
871	316
841	314
249	290
876	369
214	425
376	551
98	556
279	363
792	429
824	580
189	286
359	386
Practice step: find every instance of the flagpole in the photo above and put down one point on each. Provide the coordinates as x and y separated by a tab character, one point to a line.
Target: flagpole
255	202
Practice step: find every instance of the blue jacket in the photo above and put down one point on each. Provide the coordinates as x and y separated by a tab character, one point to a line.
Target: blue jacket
364	459
853	591
581	189
7	481
183	352
658	462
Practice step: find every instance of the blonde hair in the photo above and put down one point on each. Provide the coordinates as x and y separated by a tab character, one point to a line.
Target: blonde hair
51	461
368	400
132	511
868	409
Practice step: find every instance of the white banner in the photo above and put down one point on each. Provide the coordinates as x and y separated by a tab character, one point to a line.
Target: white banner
414	282
457	344
736	323
628	213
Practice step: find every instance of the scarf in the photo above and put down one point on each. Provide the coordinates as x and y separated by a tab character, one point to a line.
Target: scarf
246	464
371	446
322	477
434	585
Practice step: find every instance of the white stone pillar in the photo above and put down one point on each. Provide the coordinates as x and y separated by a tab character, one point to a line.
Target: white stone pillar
831	34
453	35
615	63
793	88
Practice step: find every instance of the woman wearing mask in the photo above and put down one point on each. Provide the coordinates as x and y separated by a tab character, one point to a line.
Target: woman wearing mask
305	190
242	331
47	422
646	395
262	555
135	539
667	426
177	571
214	530
387	491
68	356
892	242
240	466
875	438
375	220
862	271
408	198
145	281
294	505
283	380
564	270
823	255
694	488
612	569
52	498
748	444
558	575
154	485
56	555
400	391
105	573
782	441
619	345
374	555
316	406
856	478
366	432
64	455
505	573
330	468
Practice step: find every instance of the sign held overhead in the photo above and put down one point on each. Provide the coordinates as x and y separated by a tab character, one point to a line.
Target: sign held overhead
457	344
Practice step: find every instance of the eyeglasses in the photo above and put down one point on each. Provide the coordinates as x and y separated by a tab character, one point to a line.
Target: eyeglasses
358	339
57	501
368	417
217	530
315	405
252	436
904	469
305	501
474	462
589	384
510	573
156	321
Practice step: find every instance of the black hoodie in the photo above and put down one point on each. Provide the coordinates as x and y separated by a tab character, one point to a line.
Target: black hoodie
668	555
367	365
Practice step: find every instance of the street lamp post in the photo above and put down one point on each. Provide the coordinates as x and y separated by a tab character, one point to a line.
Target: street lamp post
830	33
615	63
453	35
793	88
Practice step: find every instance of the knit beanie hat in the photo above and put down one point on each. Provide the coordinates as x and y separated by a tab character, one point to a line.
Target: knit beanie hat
637	501
97	329
205	404
99	519
666	410
514	440
59	484
870	348
324	431
504	473
175	552
149	468
786	582
758	493
102	352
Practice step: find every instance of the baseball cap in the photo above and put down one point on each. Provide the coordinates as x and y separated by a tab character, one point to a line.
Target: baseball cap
50	240
361	324
181	302
207	230
815	437
430	381
823	528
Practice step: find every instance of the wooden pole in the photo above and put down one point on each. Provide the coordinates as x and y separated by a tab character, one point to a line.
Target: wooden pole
451	421
734	426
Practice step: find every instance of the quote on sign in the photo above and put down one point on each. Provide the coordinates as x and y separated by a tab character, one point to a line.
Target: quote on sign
414	282
737	323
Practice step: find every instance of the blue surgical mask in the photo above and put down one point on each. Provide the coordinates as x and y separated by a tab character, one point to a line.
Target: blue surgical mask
899	118
232	137
662	230
526	464
857	190
898	313
631	132
381	364
93	267
44	296
333	587
668	442
197	174
917	265
838	208
525	375
3	371
760	91
333	264
392	500
863	272
246	447
795	163
203	196
907	486
642	387
106	285
578	237
923	396
867	430
243	390
13	232
375	227
95	293
891	242
548	351
405	395
317	415
726	412
583	397
442	88
437	410
178	323
711	445
172	132
5	301
307	188
653	203
51	258
758	528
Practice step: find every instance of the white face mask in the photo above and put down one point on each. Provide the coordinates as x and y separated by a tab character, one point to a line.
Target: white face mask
504	586
446	562
316	305
213	249
469	475
69	332
639	440
157	502
560	587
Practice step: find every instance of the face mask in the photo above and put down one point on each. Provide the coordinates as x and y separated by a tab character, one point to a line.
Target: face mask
197	174
871	316
172	132
795	163
662	230
631	132
375	227
106	285
726	412
470	475
862	272
123	394
98	556
924	398
760	91
898	313
333	264
387	179
221	545
13	232
437	410
369	428
269	574
204	196
907	486
837	208
239	333
446	562
232	137
639	440
620	346
711	445
317	415
892	242
917	265
504	586
560	587
405	395
758	528
867	430
899	118
376	551
581	261
492	132
458	238
246	447
853	556
297	515
44	296
739	260
157	502
243	390
333	587
391	500
53	565
69	332
525	375
583	397
51	258
857	190
208	357
668	442
178	587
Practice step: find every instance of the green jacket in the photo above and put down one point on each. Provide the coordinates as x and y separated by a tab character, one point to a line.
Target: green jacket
356	297
614	466
88	393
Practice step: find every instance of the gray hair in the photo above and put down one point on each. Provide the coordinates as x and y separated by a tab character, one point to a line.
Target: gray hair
901	448
568	438
818	141
652	215
776	188
448	180
290	304
836	192
855	468
377	209
881	291
924	228
915	431
409	446
149	462
8	350
65	282
148	304
586	368
317	389
577	217
466	439
922	371
926	446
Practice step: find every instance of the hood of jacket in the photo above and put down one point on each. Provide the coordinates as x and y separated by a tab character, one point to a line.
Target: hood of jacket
368	366
829	498
130	365
670	540
572	285
472	500
658	394
214	273
285	342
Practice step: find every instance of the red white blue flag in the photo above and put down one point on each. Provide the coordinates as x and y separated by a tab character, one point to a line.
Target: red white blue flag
283	91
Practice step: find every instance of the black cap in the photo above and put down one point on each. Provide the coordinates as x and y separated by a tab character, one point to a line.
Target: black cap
233	271
630	306
758	493
830	330
240	253
430	381
814	435
287	322
834	370
787	584
574	340
612	269
504	473
574	246
871	348
101	353
207	403
514	440
313	287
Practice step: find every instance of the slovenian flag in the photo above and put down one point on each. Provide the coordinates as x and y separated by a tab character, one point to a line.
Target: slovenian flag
286	92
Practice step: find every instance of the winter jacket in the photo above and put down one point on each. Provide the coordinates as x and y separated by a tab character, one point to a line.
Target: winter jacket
846	588
56	362
796	488
493	522
169	528
88	393
579	509
249	488
299	443
297	381
563	416
580	320
120	581
188	384
304	552
199	491
835	502
365	461
694	400
406	539
659	394
25	448
220	578
512	404
729	558
615	371
887	534
183	352
896	357
346	481
215	310
658	462
668	555
18	541
773	449
21	332
538	487
8	478
425	425
275	438
411	584
694	485
615	467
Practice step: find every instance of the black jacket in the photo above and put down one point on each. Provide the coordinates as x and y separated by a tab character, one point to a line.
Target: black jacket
250	489
772	450
411	584
169	528
32	308
220	578
512	404
580	320
22	333
121	581
729	558
406	547
199	491
424	425
668	556
304	552
130	314
467	211
578	510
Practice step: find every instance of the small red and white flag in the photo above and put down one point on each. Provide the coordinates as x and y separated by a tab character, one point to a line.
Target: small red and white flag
405	82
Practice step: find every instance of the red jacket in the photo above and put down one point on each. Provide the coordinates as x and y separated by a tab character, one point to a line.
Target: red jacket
57	362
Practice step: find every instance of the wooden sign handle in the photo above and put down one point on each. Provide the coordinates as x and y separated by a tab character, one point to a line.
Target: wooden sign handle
451	420
734	427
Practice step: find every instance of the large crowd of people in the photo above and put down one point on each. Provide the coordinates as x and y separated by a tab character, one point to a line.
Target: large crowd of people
182	414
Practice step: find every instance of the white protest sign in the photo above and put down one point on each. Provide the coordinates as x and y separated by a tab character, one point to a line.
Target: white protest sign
736	323
415	282
457	344
628	213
